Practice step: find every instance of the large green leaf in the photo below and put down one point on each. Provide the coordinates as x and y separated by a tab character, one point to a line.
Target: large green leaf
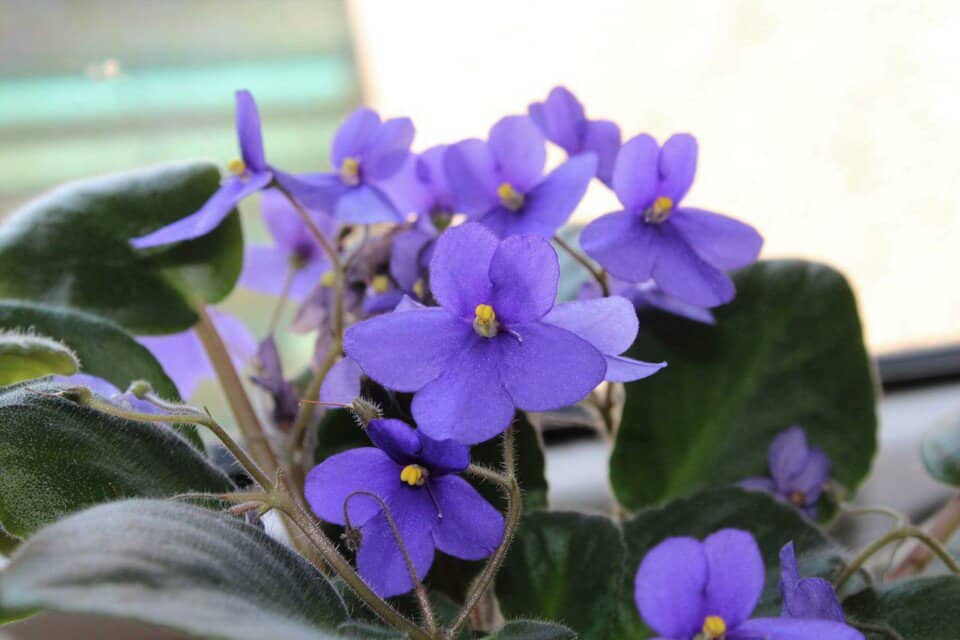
24	356
58	457
71	247
919	609
579	569
941	452
176	565
533	630
787	351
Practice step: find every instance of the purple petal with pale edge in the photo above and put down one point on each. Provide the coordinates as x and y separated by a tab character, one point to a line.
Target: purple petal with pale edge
680	272
467	402
395	438
382	302
210	215
472	176
409	304
813	476
609	324
388	150
405	257
669	588
405	351
470	527
647	294
248	132
265	269
380	561
722	241
342	384
809	597
460	269
430	169
620	369
520	151
316	191
560	118
365	469
182	357
736	575
758	483
602	138
550	368
787	456
793	629
406	191
623	243
443	456
678	164
636	175
365	204
354	135
549	205
524	272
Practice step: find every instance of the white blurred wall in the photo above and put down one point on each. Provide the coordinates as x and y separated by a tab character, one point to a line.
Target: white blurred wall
834	127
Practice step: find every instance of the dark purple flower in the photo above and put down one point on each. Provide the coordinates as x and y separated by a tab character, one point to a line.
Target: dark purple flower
365	154
184	359
798	472
684	250
686	590
487	349
416	478
108	391
500	182
806	598
269	377
561	119
295	256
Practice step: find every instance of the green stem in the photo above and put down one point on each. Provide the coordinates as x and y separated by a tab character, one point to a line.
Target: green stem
598	274
900	533
941	527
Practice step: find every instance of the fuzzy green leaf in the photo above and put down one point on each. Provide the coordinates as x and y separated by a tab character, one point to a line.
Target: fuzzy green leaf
24	356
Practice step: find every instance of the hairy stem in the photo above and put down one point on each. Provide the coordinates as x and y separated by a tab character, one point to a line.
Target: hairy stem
598	274
900	533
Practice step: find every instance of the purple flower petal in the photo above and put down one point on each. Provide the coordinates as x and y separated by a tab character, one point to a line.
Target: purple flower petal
813	476
793	629
443	456
388	149
354	135
680	272
210	215
549	368
108	391
342	384
636	173
787	456
365	469
470	527
736	575
524	271
248	132
404	351
620	369
609	324
602	138
316	191
669	588
549	205
287	228
722	241
757	483
678	164
378	303
182	357
467	402
520	151
365	204
623	243
472	176
460	269
560	117
265	269
406	257
647	294
395	438
812	598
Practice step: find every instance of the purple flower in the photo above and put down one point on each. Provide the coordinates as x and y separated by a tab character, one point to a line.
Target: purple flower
108	391
686	589
488	349
416	478
286	400
296	255
684	250
798	471
806	598
647	295
500	182
184	359
421	186
342	383
561	119
366	152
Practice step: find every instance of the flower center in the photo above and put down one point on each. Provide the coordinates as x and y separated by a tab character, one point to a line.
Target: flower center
798	498
713	628
327	279
414	475
380	283
350	171
485	321
659	211
237	167
419	288
510	197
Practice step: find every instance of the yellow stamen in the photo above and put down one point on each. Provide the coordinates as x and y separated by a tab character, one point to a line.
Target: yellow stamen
485	321
510	197
420	288
327	279
380	283
798	498
350	171
414	475
714	627
660	211
236	167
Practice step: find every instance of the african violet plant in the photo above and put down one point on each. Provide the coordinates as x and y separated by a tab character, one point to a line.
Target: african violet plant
403	472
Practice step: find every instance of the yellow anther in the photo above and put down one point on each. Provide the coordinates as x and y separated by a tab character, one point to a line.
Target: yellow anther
799	498
714	627
485	321
660	210
510	197
236	167
414	475
350	171
327	279
420	288
380	283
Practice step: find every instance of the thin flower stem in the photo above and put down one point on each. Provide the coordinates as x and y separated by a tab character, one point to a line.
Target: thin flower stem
900	533
426	609
598	274
511	521
942	526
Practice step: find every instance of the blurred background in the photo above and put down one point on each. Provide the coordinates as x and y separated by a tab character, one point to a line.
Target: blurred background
832	127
